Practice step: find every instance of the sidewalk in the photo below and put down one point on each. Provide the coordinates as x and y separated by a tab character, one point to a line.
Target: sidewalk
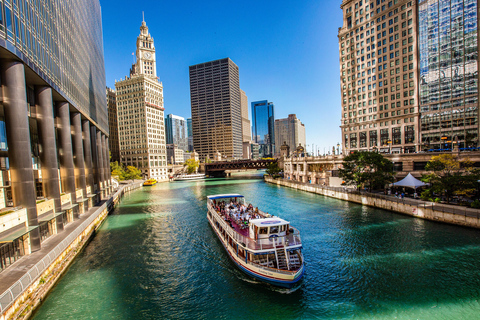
18	277
438	207
18	269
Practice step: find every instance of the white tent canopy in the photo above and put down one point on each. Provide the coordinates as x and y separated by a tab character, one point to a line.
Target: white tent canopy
409	181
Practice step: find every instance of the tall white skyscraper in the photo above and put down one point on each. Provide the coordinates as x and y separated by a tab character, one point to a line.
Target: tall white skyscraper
140	113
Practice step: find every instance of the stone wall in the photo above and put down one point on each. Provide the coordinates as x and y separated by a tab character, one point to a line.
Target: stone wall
28	292
423	211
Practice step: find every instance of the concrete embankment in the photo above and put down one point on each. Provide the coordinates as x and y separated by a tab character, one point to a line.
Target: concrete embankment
420	209
33	276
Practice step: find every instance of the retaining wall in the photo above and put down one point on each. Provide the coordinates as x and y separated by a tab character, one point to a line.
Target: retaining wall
19	301
419	210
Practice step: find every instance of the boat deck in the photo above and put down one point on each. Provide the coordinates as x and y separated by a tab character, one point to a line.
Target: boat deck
243	232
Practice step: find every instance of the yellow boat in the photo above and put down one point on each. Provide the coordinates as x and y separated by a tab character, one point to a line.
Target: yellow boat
150	182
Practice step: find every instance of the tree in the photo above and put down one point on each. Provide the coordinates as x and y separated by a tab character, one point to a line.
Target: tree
366	169
132	173
273	169
117	170
449	177
192	165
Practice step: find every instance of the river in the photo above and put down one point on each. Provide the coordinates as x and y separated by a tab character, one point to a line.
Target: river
156	257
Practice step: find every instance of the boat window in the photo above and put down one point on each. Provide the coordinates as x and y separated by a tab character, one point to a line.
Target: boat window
273	230
283	228
263	231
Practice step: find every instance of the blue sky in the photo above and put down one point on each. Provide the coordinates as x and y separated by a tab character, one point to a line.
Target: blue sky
286	51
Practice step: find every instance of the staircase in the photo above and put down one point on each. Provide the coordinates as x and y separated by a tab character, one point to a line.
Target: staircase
282	262
294	260
179	172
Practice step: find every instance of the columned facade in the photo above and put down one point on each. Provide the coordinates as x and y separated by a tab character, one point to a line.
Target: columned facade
78	154
48	154
88	156
18	138
48	112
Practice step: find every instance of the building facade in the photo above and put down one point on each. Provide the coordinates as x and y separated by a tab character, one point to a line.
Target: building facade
246	128
140	113
190	134
176	131
216	112
378	72
53	120
289	131
448	33
113	125
175	155
263	132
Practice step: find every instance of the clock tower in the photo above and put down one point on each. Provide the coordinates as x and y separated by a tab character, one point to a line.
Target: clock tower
146	53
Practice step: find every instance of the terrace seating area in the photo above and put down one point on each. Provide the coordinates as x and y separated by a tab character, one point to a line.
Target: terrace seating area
237	214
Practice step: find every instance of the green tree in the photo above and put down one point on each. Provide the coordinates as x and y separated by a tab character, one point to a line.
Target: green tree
132	173
448	176
117	170
273	169
367	169
192	165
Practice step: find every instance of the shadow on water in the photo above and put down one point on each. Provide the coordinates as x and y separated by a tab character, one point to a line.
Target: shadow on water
157	257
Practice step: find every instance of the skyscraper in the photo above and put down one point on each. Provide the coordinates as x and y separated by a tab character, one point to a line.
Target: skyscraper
290	131
263	133
53	124
378	72
448	73
176	131
216	112
141	113
190	134
113	125
246	129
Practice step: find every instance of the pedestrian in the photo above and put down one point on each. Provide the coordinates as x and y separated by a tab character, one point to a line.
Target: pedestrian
403	195
415	195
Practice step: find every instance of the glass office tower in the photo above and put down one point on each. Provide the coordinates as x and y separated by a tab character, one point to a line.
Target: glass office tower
176	131
448	73
263	120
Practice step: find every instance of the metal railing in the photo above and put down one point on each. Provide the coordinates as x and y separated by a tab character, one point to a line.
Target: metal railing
291	240
8	297
444	208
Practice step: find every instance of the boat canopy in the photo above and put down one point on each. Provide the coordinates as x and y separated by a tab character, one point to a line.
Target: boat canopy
269	222
220	196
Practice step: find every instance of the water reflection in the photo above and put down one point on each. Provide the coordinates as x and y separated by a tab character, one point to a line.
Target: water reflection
156	257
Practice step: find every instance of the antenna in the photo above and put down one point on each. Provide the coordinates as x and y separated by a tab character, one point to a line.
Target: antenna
143	16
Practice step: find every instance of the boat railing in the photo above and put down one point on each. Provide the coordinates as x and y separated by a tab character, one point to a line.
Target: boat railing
272	243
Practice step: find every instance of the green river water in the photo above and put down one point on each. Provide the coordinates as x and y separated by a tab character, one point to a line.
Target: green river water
156	257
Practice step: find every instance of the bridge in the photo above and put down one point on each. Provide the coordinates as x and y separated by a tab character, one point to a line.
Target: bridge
217	169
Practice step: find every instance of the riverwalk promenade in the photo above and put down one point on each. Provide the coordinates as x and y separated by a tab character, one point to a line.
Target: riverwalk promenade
25	283
452	214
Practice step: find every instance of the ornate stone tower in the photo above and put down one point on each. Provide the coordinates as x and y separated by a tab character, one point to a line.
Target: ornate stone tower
146	61
140	113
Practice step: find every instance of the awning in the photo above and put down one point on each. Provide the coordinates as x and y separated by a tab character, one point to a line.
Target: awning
17	234
70	206
220	196
49	216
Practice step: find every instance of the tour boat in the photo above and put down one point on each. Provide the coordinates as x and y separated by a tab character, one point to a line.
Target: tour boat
263	246
187	177
150	182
